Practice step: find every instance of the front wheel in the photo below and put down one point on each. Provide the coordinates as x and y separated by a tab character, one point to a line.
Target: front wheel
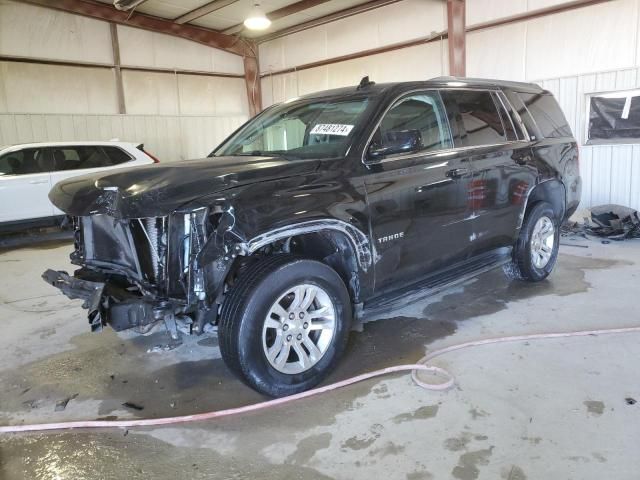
536	250
285	324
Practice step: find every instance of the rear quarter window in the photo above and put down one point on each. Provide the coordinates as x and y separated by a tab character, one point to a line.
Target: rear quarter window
547	114
117	155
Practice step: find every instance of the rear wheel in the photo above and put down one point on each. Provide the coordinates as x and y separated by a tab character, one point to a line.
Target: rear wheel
536	250
285	324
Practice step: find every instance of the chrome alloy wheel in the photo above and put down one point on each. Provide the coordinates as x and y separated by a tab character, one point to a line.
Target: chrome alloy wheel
542	242
299	329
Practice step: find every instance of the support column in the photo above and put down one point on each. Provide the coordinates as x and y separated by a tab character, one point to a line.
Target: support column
456	23
252	80
115	46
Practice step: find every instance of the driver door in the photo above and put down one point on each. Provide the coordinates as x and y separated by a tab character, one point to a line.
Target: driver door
417	189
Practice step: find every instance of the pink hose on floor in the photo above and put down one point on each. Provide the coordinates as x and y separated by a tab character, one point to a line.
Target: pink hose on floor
414	368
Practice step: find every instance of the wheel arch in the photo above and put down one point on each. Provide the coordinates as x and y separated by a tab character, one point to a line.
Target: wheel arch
342	246
551	191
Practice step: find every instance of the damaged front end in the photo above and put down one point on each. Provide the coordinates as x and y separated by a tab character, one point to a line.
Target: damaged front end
138	272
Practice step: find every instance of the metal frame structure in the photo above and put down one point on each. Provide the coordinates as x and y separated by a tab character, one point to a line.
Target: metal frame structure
230	39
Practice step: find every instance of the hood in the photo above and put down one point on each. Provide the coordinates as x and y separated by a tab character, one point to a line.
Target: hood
159	189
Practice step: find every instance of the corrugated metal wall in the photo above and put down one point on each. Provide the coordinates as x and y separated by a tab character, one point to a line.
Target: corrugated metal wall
169	137
176	114
610	173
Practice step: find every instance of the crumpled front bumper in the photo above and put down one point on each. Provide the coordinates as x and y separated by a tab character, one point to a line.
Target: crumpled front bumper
75	288
104	307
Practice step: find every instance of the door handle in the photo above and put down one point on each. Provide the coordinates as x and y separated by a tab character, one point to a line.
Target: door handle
457	172
38	182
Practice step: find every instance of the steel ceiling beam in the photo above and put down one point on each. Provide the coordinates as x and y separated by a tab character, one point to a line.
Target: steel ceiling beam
456	25
203	10
347	12
274	15
106	12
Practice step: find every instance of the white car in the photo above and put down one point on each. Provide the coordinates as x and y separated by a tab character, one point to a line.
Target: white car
28	171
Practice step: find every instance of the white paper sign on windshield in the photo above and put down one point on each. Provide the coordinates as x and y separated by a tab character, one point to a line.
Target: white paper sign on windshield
331	129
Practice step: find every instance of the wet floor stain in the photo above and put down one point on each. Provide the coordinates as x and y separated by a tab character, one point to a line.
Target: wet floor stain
388	449
493	291
459	443
427	411
308	447
599	457
120	371
513	473
594	407
469	464
477	413
360	442
135	457
421	475
532	440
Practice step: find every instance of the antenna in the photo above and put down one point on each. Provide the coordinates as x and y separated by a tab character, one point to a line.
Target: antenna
365	82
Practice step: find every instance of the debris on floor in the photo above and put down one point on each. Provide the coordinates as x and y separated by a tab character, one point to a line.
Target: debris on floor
62	404
163	348
614	222
133	406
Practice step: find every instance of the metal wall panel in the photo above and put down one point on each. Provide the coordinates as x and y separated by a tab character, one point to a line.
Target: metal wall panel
497	52
142	48
591	39
396	23
30	31
610	173
425	61
35	88
169	137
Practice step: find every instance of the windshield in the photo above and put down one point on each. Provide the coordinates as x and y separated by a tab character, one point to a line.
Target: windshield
317	129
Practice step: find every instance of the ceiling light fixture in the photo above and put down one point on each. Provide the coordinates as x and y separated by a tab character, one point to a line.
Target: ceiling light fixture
257	20
127	5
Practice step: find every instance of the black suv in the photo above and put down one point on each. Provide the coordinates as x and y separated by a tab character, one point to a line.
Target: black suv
319	209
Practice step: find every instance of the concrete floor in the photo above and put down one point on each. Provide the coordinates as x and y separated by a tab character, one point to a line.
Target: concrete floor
553	409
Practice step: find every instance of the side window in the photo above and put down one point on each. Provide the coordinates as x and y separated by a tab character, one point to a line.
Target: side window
480	117
525	115
417	119
547	114
507	121
116	155
513	119
81	157
22	162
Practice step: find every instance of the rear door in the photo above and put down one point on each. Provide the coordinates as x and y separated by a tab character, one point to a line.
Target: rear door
24	185
417	201
499	153
72	161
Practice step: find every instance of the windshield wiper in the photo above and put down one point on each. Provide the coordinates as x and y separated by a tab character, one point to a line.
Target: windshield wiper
254	153
273	153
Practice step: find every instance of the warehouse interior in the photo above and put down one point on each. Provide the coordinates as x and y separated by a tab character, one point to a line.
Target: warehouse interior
179	77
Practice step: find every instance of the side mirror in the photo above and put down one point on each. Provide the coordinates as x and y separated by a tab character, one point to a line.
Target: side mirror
394	142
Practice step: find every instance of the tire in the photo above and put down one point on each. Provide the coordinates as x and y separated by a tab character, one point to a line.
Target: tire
527	261
248	333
